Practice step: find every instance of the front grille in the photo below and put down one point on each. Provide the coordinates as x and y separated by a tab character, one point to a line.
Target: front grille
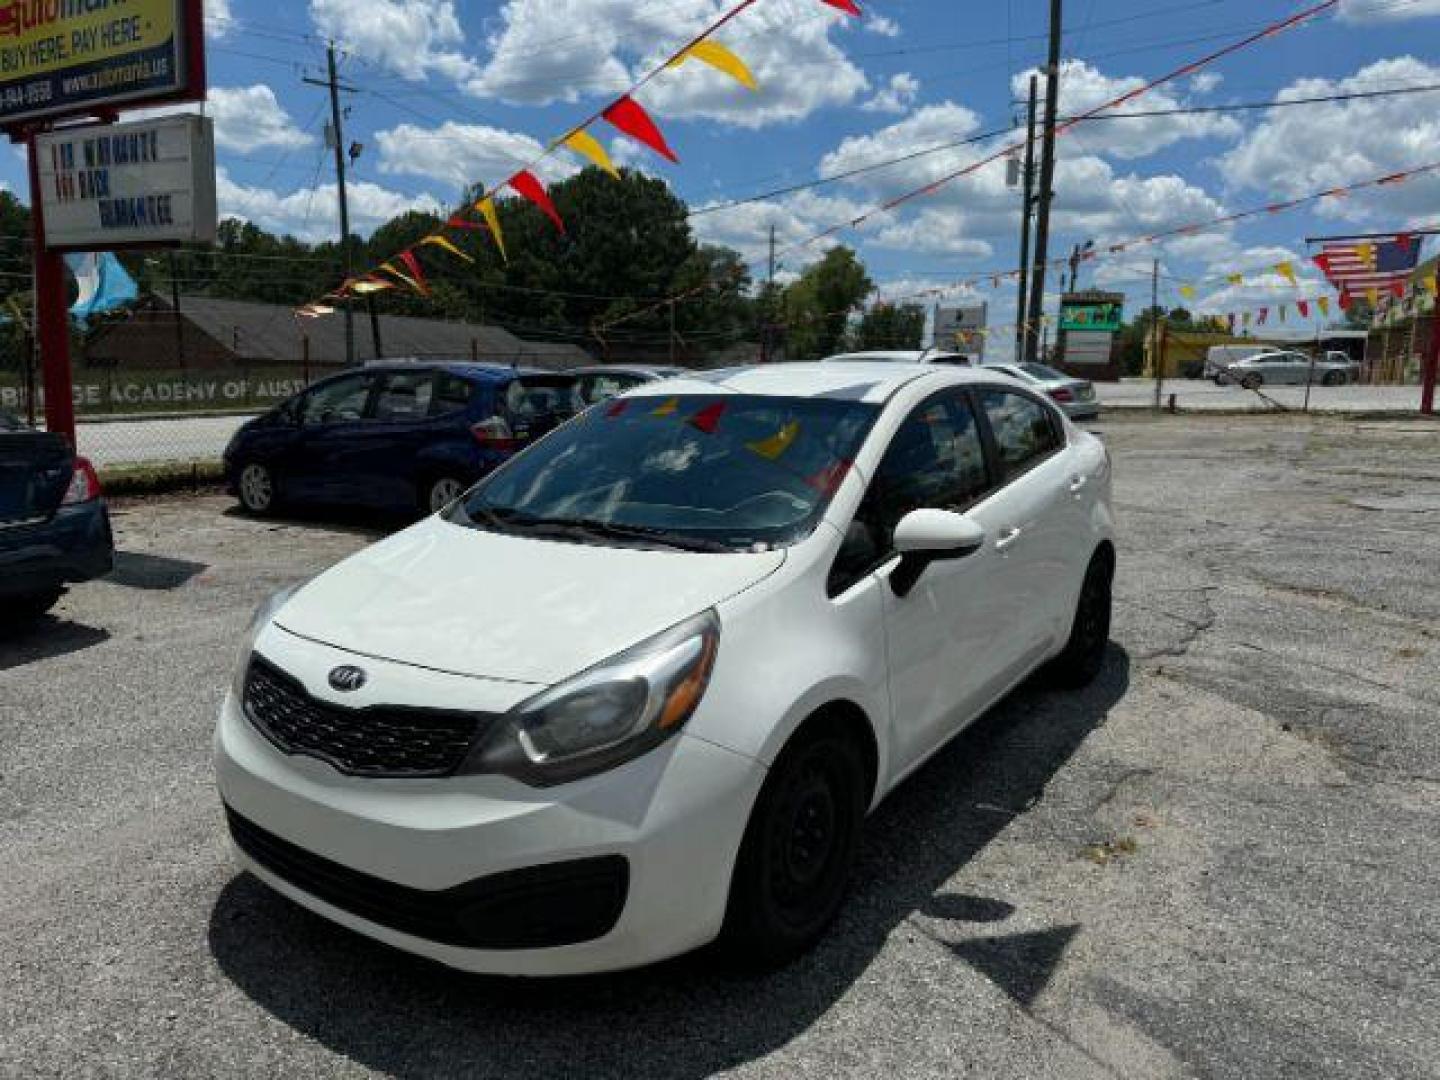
382	740
535	907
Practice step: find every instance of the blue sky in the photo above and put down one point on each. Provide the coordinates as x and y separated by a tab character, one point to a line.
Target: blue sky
458	91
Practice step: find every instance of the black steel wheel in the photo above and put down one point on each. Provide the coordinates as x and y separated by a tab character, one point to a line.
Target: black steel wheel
799	848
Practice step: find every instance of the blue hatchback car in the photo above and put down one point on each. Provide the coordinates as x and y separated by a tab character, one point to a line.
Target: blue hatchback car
54	527
396	436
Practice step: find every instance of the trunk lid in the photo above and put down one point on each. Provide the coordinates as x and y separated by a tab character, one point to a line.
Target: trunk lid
35	470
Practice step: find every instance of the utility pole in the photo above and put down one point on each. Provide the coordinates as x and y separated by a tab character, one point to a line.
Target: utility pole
1023	330
1047	170
337	131
768	309
1155	357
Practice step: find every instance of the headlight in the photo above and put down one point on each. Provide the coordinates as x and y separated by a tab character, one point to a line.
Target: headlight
609	714
258	621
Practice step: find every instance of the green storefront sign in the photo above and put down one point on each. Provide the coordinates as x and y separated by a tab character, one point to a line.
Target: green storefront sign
1091	314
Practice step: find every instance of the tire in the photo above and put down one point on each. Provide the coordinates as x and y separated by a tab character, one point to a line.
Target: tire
31	606
1252	382
1084	654
800	846
440	493
1334	378
257	489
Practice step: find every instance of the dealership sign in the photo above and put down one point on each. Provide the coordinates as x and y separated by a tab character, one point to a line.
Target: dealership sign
62	57
961	329
146	182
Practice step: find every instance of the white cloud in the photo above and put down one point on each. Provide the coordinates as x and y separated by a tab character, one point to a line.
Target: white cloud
1298	151
246	118
896	96
1361	11
880	24
1083	87
796	218
412	38
1206	82
313	213
560	50
463	154
218	20
934	231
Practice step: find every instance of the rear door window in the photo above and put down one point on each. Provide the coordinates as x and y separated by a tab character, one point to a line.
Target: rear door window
404	396
1024	430
540	397
337	402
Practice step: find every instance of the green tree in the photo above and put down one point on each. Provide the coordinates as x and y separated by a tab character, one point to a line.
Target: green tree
818	306
890	326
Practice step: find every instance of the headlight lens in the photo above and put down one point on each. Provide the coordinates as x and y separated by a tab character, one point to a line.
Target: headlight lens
258	621
607	715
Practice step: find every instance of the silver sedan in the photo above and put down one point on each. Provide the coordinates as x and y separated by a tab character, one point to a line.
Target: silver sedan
1286	367
1075	396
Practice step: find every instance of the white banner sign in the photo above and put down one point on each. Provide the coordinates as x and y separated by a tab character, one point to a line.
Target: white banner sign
119	185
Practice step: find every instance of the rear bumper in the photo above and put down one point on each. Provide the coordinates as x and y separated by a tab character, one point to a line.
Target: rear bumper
74	545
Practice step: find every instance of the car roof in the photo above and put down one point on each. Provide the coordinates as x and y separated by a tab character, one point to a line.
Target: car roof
870	382
656	371
465	368
894	356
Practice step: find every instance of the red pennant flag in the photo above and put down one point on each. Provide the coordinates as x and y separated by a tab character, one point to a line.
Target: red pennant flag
708	418
1394	178
1323	262
525	183
416	272
1264	314
459	221
1404	240
1304	306
627	115
847	6
1398	288
1345	300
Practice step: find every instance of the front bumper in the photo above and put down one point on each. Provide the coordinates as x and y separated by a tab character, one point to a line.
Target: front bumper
75	544
675	817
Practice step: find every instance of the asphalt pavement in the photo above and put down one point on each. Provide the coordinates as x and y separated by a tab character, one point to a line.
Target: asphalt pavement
1222	860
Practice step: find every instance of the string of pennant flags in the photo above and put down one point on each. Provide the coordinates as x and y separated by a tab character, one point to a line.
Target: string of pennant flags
625	114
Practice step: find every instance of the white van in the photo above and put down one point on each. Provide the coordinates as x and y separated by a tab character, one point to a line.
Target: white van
1218	358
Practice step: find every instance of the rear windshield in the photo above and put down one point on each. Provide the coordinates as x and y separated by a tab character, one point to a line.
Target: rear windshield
541	395
1040	371
694	472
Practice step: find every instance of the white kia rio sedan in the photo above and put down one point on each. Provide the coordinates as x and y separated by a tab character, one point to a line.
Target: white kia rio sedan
638	688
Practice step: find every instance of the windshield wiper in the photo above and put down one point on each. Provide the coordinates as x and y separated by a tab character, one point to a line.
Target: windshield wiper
609	530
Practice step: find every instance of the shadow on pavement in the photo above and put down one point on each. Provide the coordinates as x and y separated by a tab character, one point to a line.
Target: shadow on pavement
44	639
689	1017
358	521
136	570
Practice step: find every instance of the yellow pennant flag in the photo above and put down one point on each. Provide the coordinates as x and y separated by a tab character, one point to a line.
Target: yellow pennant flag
1235	279
1324	303
1367	254
441	242
721	59
1286	270
667	409
370	285
1431	284
587	146
486	207
1187	291
1373	295
778	443
389	268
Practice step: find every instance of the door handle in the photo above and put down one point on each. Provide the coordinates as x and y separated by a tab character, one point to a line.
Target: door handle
1007	538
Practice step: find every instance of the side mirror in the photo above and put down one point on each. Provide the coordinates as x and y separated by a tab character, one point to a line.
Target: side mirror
926	536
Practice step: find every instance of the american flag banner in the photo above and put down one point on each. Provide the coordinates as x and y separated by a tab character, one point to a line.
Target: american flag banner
1357	266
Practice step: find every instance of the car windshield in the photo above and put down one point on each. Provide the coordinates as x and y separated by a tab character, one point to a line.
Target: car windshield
1040	371
690	472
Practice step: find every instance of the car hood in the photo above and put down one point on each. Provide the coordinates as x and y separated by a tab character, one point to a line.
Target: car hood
461	600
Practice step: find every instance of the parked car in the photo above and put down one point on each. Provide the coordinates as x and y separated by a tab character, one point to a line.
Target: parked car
54	525
1284	367
603	382
640	686
1353	368
905	356
396	435
1219	357
1075	396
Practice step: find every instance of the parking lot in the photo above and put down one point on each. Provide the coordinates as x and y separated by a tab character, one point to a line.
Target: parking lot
1220	860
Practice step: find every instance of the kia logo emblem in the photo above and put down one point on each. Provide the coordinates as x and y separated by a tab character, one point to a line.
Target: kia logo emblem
347	678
